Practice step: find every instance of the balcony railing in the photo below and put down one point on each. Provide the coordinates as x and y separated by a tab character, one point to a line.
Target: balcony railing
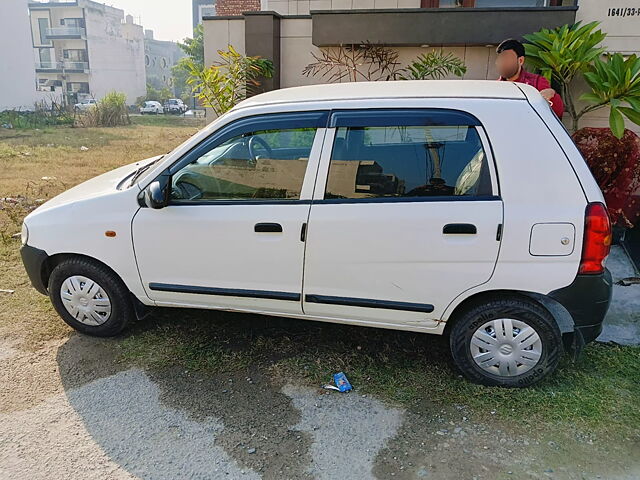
62	65
57	32
76	65
47	66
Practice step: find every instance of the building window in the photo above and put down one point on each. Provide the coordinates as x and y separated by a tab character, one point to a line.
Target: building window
510	3
72	22
78	87
75	55
43	26
45	56
164	62
485	3
146	60
407	161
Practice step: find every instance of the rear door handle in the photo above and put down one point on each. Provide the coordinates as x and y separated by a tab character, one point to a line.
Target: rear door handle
459	229
267	227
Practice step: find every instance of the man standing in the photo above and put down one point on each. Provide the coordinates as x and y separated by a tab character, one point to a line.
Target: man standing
510	63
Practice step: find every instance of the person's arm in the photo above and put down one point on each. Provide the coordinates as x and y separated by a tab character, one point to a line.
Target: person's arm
551	96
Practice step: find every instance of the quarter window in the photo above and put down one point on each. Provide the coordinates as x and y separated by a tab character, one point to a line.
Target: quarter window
407	161
260	165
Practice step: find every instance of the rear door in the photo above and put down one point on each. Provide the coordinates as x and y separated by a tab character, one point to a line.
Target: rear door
406	216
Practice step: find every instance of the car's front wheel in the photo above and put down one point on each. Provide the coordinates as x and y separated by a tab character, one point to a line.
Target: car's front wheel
90	297
509	342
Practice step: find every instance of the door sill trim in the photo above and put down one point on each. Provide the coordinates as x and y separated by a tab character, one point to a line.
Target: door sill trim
369	303
226	292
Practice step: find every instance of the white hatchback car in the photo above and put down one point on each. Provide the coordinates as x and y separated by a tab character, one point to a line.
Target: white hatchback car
151	107
446	207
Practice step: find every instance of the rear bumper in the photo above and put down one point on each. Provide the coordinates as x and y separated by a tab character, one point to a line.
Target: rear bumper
587	299
33	260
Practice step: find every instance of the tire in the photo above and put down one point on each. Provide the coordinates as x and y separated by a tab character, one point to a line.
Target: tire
102	304
498	363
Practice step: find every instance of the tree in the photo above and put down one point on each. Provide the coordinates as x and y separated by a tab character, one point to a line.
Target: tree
566	52
194	51
194	47
228	81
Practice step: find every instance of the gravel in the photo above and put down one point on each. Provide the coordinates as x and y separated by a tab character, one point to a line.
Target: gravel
348	430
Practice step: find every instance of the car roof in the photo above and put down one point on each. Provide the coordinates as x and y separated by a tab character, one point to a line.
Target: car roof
390	89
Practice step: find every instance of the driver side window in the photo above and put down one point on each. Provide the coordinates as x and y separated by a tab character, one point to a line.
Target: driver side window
260	165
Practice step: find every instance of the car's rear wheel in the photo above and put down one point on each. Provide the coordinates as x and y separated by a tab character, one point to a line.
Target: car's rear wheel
509	342
90	297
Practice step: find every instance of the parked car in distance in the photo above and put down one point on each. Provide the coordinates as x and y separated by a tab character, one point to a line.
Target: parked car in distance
458	208
151	107
85	105
175	106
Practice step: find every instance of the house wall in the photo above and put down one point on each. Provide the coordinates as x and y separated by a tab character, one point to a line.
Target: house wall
160	56
116	53
16	51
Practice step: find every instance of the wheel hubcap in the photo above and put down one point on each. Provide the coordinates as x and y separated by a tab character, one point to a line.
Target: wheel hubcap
85	300
506	347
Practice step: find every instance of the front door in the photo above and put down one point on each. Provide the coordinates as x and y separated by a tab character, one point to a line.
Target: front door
405	217
231	235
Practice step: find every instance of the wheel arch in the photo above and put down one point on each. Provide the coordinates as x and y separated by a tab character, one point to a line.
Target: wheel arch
560	314
52	261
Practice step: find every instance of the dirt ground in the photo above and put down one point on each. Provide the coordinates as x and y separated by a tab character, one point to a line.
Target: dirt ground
184	395
70	410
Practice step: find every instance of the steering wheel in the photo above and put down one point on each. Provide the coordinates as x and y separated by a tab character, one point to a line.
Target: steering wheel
252	148
186	191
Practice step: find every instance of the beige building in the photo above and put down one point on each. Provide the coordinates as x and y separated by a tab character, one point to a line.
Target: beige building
289	32
86	49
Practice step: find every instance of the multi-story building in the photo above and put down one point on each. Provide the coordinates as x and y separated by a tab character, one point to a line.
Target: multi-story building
159	57
87	49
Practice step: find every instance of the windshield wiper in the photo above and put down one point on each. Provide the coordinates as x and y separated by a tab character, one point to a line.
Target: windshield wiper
141	170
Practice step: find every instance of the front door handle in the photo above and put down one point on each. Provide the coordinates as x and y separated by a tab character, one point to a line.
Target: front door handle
267	227
459	229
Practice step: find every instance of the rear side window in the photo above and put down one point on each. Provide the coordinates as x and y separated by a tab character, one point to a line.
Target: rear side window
407	160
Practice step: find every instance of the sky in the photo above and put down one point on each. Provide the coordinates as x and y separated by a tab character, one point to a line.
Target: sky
169	19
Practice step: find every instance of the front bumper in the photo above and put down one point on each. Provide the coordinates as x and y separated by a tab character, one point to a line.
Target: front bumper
34	261
587	299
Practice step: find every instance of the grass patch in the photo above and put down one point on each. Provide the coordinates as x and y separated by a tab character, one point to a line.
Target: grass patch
599	393
168	121
38	164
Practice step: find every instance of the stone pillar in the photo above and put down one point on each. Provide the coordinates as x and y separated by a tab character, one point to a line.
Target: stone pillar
262	37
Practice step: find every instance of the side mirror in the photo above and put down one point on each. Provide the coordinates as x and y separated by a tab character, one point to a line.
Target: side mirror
156	195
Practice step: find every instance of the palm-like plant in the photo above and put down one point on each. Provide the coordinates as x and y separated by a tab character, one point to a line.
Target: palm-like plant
563	53
566	52
434	65
614	82
229	80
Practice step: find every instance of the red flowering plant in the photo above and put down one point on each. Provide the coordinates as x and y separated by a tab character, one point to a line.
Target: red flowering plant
615	164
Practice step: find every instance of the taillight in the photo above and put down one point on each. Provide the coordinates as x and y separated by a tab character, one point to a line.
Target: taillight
597	239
